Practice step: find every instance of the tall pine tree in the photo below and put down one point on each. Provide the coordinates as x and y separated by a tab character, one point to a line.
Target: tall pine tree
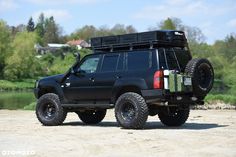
30	26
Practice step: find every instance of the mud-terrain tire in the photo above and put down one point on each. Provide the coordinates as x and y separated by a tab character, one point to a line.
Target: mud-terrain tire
92	116
49	110
202	74
131	111
173	116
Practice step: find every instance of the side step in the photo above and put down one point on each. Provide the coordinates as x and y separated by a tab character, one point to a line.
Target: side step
84	105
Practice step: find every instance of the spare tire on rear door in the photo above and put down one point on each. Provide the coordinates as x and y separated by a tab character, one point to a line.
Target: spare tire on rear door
202	74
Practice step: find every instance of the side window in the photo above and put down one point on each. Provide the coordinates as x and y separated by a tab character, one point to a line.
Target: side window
171	60
120	65
109	63
167	59
90	64
139	60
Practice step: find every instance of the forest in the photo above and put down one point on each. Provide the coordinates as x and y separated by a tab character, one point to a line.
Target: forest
19	66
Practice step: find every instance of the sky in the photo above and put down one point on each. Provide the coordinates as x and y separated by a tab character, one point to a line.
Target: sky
216	18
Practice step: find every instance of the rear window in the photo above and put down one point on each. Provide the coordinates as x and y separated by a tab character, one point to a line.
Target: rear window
139	60
173	58
183	57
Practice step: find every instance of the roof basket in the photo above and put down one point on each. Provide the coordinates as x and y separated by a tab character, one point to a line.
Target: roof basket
139	40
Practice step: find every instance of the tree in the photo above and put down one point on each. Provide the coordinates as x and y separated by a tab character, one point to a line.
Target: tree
193	34
23	63
52	31
118	29
167	24
85	33
30	26
130	29
17	29
40	27
5	45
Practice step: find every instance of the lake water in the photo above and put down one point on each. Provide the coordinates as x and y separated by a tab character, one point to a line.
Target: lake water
13	100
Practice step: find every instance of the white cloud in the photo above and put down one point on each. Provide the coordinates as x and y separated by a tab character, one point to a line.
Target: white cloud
56	2
6	5
232	23
208	16
59	15
172	8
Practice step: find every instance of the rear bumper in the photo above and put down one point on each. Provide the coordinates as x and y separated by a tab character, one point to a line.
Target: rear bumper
158	95
153	94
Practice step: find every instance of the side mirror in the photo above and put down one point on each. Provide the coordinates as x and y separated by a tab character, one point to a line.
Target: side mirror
72	70
77	55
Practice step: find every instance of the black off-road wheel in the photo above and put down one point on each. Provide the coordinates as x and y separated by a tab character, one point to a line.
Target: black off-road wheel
131	111
173	116
92	116
49	110
202	74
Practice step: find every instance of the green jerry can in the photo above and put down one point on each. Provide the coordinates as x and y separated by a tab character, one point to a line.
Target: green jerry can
179	83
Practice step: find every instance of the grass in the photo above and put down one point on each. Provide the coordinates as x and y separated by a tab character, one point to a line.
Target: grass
31	106
6	85
226	98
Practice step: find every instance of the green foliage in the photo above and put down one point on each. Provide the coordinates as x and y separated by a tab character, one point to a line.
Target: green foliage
193	34
40	27
226	98
62	65
88	32
168	24
5	45
17	85
51	31
23	63
31	106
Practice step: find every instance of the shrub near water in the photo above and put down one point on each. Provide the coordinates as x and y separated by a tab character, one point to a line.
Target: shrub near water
16	85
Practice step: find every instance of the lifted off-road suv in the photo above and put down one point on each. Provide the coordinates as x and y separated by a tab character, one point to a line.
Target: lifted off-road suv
140	74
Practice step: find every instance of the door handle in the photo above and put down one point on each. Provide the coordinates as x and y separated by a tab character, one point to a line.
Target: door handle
91	79
118	77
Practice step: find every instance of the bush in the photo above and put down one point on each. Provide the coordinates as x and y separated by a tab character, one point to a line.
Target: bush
229	99
17	85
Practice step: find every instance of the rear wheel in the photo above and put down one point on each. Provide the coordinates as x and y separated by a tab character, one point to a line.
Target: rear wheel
92	116
131	111
173	116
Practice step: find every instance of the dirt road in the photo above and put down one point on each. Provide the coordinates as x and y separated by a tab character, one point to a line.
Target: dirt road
206	133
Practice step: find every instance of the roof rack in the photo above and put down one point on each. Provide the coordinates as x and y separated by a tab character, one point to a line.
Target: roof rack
139	40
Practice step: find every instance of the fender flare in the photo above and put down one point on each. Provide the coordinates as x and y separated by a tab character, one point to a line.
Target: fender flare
52	87
127	82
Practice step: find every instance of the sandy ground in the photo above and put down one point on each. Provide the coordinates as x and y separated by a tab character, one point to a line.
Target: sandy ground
206	133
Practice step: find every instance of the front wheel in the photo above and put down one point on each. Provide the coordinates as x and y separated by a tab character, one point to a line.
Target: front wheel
173	116
92	116
49	110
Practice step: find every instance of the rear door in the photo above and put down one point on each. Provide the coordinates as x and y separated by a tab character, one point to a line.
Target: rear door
107	75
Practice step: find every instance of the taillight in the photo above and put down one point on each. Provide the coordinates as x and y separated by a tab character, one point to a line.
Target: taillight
158	81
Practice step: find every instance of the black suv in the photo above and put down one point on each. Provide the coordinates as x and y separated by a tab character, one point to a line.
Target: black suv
140	74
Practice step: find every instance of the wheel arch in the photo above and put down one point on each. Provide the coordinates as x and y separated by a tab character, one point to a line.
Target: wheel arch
51	87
